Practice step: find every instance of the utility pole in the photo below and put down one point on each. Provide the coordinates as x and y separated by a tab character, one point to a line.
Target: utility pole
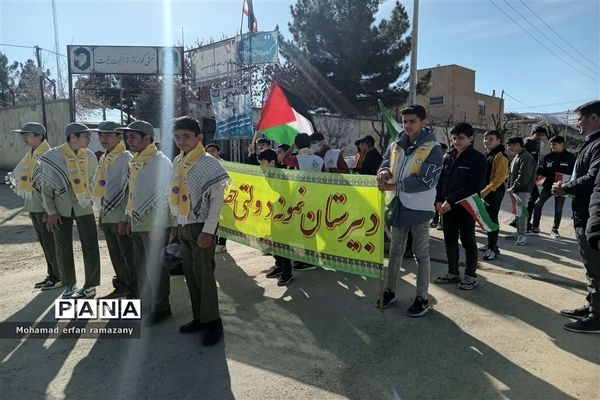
41	75
412	96
57	50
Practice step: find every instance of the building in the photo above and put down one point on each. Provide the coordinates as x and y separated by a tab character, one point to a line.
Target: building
452	98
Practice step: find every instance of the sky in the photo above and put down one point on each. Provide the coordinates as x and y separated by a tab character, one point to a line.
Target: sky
540	69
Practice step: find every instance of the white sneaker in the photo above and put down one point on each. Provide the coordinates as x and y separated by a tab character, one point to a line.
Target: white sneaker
555	234
69	291
220	248
468	283
84	293
521	240
489	255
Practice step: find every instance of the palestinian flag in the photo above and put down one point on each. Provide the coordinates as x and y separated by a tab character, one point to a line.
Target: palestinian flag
519	207
476	207
393	126
283	116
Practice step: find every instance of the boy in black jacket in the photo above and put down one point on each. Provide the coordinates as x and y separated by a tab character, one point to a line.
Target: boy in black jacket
581	186
556	166
463	175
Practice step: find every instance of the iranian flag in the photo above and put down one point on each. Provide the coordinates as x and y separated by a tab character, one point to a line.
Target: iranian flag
519	207
283	116
393	126
476	207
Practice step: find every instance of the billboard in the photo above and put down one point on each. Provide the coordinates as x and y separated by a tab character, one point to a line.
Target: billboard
258	48
214	62
233	112
124	59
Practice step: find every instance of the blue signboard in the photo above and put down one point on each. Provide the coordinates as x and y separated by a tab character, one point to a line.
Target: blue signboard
233	112
258	48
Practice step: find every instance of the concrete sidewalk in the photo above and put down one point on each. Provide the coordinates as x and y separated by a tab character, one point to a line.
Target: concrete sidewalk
320	338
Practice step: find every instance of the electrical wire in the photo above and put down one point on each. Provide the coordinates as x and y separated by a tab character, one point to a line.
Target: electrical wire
557	34
593	70
542	44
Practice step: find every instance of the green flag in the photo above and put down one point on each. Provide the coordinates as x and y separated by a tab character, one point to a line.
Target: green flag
392	125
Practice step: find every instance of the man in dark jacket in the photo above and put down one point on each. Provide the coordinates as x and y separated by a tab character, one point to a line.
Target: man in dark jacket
521	180
593	226
581	186
534	146
463	174
371	156
556	166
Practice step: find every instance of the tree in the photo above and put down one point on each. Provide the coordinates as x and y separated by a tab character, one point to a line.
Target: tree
362	61
28	87
8	77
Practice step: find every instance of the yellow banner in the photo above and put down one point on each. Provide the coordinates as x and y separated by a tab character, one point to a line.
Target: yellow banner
331	220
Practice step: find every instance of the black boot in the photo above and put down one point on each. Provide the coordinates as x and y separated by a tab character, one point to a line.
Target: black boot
214	333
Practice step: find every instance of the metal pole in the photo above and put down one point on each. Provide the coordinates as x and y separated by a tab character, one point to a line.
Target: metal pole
41	74
70	82
56	49
412	98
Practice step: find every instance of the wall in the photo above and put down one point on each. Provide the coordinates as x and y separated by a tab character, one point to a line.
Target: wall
12	148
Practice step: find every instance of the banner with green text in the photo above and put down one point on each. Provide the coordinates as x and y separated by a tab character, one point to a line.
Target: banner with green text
330	220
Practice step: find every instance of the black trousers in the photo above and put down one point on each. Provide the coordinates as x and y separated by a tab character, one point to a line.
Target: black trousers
458	223
591	262
535	194
493	202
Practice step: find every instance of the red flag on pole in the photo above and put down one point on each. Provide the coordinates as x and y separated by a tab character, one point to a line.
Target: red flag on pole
248	9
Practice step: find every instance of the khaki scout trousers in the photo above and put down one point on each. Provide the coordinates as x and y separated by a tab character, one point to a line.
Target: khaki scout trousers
199	268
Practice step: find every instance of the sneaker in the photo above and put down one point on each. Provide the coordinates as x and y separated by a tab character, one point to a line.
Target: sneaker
84	293
389	298
555	234
52	284
303	267
214	333
275	272
220	248
521	240
69	291
39	284
585	325
489	255
284	280
193	326
418	308
577	313
115	294
447	278
433	224
468	283
511	236
156	317
533	231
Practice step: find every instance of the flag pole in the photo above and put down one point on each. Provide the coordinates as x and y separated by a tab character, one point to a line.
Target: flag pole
242	19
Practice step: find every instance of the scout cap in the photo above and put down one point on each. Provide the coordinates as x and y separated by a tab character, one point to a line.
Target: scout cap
32	127
75	128
107	127
142	127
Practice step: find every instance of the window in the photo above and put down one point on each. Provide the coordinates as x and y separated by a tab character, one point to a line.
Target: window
436	101
481	106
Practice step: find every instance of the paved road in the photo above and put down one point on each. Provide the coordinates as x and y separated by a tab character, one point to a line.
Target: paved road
320	338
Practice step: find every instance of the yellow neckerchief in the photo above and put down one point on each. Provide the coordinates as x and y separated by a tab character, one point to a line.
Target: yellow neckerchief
179	195
102	171
77	170
135	166
416	161
24	182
